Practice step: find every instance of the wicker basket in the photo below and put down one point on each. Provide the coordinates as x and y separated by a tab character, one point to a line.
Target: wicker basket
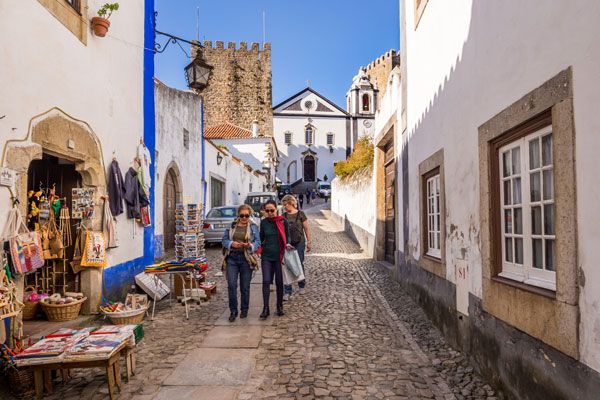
21	382
62	312
30	310
127	317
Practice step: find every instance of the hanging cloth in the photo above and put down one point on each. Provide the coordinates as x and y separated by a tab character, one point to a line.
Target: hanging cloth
109	228
144	156
116	189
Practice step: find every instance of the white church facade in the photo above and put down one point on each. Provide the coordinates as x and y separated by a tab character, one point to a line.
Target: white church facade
313	133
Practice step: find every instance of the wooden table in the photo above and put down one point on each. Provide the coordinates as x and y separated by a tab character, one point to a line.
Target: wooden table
42	368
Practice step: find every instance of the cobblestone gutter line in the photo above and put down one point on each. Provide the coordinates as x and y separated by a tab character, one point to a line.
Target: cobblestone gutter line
437	385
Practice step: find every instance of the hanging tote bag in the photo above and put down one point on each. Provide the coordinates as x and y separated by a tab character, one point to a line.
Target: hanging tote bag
109	228
25	246
291	259
94	250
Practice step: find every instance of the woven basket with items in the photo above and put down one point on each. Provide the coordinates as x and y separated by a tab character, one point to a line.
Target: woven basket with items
130	313
58	308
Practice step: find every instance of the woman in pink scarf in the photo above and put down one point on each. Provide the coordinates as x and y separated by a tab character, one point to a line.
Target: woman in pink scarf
274	235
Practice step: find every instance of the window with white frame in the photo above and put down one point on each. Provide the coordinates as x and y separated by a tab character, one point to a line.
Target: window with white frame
527	202
288	138
309	135
433	216
330	140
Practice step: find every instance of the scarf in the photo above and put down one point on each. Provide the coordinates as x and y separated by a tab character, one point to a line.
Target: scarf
250	257
278	220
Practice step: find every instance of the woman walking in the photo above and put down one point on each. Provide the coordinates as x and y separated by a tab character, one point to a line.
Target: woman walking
274	236
299	237
240	242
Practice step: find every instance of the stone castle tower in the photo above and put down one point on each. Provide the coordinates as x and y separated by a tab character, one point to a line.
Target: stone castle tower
379	71
240	89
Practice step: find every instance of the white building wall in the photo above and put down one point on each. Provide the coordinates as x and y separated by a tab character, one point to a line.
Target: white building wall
235	175
489	55
44	65
290	153
176	110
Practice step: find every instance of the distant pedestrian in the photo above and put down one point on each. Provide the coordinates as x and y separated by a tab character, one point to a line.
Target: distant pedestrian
301	200
313	194
299	237
307	196
326	198
240	242
274	235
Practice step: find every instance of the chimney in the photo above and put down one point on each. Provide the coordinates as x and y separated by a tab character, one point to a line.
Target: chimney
255	129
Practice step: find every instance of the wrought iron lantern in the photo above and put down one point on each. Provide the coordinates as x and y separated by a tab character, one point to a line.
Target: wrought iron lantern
219	158
197	73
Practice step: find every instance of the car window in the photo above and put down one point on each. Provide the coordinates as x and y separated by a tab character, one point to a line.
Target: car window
229	212
258	199
325	187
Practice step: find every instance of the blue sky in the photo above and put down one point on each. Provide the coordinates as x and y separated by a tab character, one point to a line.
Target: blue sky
324	41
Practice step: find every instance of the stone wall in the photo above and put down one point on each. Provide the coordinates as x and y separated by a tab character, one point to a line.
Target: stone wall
379	72
240	88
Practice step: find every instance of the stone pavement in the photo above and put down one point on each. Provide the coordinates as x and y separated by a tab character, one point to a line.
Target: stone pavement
353	335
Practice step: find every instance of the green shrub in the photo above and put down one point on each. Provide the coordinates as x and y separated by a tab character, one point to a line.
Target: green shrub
361	158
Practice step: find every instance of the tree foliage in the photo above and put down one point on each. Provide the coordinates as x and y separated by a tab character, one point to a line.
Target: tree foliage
361	158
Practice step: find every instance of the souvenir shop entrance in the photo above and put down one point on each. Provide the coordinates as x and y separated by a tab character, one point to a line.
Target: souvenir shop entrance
50	181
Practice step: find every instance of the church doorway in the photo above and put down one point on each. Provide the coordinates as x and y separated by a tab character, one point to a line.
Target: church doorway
172	196
309	168
292	176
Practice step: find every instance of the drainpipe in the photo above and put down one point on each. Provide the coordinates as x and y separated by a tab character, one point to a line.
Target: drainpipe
203	157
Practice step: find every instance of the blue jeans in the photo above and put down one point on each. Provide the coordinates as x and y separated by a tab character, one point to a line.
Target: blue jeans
301	284
237	265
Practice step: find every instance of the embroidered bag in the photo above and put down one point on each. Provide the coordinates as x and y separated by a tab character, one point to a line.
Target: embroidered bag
94	251
25	246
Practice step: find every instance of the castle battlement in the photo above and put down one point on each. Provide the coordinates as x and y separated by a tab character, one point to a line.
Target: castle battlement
388	57
237	47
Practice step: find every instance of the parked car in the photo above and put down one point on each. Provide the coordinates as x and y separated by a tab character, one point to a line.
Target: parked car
257	199
324	189
283	190
217	220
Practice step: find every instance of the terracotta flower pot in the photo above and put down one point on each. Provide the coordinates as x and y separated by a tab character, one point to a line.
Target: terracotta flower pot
100	26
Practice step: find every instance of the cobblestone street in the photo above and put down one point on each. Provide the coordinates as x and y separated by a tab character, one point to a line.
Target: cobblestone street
353	335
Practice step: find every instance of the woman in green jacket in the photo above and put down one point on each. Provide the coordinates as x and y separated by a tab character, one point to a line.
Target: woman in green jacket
274	235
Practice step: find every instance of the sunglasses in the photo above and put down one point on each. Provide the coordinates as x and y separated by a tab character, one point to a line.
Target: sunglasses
270	210
244	215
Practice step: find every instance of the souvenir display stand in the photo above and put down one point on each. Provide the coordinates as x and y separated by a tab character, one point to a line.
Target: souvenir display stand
191	259
67	349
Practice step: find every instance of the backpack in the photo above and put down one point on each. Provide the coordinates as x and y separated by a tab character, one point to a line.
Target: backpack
296	230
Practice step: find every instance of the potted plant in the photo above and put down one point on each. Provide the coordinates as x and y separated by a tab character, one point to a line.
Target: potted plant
101	23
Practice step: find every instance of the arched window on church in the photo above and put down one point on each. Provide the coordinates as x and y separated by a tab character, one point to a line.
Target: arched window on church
309	135
365	102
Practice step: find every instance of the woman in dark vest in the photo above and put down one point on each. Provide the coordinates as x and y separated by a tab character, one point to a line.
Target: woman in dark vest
274	236
299	237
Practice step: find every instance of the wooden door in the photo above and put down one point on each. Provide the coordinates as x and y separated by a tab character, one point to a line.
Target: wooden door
217	189
309	169
390	206
170	199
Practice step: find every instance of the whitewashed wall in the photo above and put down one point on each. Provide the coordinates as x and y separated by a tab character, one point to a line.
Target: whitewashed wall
43	65
353	205
176	110
489	55
324	158
235	175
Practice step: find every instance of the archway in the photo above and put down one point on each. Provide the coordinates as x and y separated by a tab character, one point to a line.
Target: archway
292	172
56	134
309	168
171	196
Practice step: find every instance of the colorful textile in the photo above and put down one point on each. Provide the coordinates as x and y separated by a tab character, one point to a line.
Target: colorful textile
181	265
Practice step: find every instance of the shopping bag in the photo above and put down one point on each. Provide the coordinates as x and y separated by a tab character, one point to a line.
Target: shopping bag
52	244
94	250
25	246
288	276
292	260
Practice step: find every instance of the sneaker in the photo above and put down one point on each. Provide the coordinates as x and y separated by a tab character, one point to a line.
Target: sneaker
286	297
301	290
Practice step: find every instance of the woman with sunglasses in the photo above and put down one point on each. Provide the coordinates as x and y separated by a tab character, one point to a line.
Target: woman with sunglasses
274	236
240	242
